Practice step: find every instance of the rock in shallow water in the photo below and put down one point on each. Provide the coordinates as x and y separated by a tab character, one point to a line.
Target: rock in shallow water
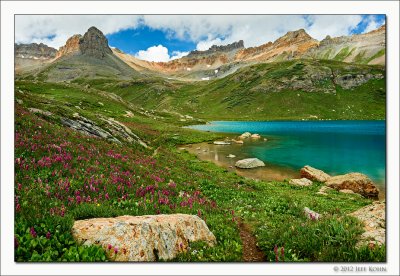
249	163
143	238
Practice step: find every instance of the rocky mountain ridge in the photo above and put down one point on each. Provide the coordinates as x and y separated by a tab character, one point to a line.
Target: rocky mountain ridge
219	61
34	51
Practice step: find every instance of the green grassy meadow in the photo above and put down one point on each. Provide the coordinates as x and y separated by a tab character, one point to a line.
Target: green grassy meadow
62	175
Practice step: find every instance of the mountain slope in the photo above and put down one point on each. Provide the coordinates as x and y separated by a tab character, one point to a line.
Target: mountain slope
87	56
291	90
366	48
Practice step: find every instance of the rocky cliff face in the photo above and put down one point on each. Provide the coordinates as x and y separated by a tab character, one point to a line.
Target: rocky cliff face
34	51
71	46
92	43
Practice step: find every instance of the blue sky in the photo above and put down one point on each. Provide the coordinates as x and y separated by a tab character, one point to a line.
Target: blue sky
165	37
132	41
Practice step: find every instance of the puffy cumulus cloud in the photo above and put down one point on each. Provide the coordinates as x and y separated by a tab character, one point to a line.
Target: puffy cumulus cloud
159	54
54	30
333	25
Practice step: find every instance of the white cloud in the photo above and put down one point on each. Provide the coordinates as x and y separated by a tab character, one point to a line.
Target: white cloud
203	30
54	30
372	24
333	25
178	54
158	53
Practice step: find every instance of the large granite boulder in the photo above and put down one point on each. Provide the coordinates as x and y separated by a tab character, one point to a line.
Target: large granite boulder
249	163
357	182
314	174
143	238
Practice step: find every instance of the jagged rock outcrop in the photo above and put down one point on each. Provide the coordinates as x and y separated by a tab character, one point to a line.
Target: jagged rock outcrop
88	127
218	49
71	46
34	51
93	43
348	81
143	238
112	130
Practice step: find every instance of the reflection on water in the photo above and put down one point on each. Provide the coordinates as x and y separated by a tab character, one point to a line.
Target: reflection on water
218	154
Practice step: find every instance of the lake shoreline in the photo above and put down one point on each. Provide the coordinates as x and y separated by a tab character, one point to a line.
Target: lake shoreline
286	152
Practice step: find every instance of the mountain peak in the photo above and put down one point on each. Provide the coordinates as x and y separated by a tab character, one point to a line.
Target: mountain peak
291	36
92	43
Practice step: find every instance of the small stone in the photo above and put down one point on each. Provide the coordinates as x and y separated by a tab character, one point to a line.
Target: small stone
231	156
301	182
221	143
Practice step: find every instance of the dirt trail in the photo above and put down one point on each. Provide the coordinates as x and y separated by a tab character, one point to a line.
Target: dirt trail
251	253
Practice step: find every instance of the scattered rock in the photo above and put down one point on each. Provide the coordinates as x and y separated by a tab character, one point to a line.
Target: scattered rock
143	238
19	101
255	136
231	156
357	182
100	103
39	111
181	148
323	190
128	114
249	163
301	182
311	214
314	174
374	220
221	143
198	148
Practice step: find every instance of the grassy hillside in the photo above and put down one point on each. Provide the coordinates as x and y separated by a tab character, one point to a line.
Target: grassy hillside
292	90
54	167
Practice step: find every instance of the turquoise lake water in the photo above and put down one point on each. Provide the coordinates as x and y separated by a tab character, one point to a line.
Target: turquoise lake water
336	147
